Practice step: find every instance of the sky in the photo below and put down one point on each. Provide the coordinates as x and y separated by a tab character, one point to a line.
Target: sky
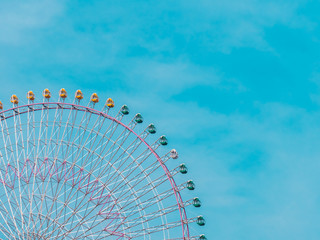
234	85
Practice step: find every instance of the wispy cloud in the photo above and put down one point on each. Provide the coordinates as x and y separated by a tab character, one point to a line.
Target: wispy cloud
18	19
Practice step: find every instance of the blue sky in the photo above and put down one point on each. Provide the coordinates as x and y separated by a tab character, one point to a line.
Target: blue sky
235	85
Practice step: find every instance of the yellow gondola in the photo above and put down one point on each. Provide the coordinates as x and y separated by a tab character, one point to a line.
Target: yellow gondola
14	99
94	98
30	96
63	93
46	93
79	95
110	103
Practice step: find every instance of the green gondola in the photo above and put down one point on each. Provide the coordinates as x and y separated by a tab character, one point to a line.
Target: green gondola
183	168
196	202
138	118
152	129
163	140
190	185
201	221
125	110
202	237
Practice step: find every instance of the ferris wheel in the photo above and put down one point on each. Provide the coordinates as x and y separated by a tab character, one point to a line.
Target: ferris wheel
70	171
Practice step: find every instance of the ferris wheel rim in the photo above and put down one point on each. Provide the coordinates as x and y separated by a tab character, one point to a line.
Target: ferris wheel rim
182	211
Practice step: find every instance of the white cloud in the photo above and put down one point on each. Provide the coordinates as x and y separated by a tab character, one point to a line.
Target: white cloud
17	19
233	24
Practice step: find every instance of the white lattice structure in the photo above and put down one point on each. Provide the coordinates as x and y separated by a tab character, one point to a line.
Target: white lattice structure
69	171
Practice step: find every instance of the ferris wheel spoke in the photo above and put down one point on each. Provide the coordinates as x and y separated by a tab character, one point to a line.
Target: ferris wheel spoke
158	228
59	215
38	233
57	145
66	202
113	152
34	168
122	138
152	215
7	232
88	141
7	217
92	150
58	230
29	134
31	147
86	216
85	148
37	145
94	222
132	193
106	171
129	167
79	128
132	147
11	160
77	198
75	213
91	141
53	208
148	202
76	230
